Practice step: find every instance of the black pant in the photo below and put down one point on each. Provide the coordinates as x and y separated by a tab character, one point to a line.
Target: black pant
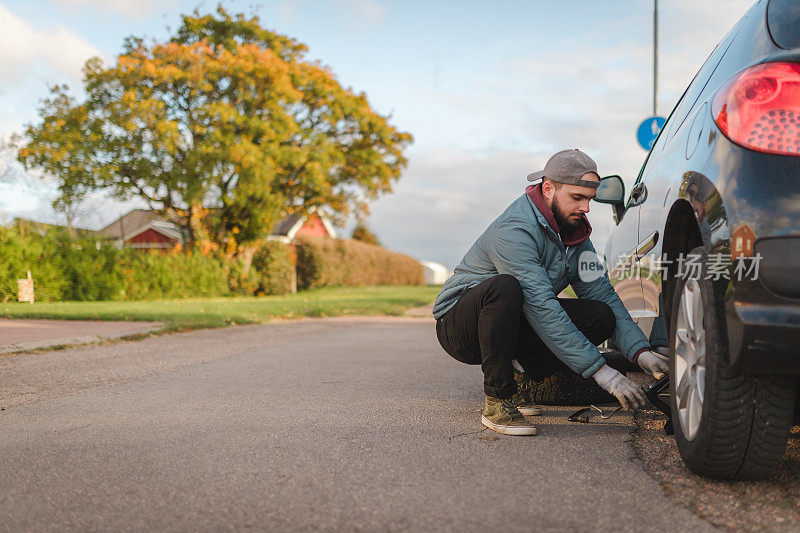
486	327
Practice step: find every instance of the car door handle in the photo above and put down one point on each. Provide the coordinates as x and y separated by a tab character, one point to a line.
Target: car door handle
638	194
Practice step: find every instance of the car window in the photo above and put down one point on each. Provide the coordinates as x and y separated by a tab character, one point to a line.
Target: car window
695	88
658	143
690	95
783	22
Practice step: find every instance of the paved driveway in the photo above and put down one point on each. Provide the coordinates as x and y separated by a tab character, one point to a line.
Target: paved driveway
335	424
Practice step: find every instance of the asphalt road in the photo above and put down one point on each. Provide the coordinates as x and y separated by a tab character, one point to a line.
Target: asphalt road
331	424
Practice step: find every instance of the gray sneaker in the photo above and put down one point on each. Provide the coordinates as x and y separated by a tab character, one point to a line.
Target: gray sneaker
502	416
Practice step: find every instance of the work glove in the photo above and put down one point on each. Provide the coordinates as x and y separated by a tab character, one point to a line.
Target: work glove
653	363
629	394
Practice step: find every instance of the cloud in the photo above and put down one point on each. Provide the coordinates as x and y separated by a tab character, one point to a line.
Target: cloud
448	197
54	54
484	134
358	14
18	192
131	8
364	12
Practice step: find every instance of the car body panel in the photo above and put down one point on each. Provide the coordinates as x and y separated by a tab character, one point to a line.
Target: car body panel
730	190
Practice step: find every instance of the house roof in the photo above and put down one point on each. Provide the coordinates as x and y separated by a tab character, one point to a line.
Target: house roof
162	226
137	220
286	224
130	221
289	226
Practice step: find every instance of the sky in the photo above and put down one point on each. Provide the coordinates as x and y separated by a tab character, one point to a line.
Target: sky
488	90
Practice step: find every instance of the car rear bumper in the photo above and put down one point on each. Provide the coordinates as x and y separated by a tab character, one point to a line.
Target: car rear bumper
780	268
765	338
763	314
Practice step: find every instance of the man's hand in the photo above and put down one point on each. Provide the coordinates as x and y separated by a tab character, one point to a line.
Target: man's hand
629	394
653	363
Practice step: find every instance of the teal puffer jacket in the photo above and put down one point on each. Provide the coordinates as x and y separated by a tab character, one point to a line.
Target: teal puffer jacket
520	242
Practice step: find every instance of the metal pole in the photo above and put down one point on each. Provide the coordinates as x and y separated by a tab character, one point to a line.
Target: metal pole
655	57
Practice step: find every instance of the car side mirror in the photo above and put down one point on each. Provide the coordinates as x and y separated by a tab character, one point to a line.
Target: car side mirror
610	191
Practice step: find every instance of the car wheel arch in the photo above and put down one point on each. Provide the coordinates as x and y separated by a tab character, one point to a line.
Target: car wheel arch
681	235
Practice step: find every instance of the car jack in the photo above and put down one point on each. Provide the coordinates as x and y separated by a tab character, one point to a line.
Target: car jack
653	392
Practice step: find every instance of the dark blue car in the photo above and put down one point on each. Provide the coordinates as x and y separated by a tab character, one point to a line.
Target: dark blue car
706	251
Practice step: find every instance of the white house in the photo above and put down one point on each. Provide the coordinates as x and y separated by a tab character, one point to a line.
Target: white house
435	274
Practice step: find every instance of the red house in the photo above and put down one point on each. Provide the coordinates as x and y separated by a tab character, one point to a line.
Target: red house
145	229
743	239
315	224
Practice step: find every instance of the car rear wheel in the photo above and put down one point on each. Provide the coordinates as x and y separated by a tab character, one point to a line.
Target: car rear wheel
728	424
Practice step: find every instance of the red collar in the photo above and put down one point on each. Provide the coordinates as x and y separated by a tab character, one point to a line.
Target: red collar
573	237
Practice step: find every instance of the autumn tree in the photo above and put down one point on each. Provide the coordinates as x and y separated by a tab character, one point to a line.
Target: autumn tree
227	126
362	233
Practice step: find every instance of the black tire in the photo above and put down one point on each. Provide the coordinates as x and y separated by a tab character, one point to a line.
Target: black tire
565	387
745	421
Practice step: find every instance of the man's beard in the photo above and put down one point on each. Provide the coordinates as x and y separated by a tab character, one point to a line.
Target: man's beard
563	221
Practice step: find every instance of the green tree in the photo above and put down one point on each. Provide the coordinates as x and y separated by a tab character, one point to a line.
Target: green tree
362	233
226	126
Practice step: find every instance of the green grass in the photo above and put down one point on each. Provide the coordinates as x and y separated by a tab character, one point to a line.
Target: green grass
216	312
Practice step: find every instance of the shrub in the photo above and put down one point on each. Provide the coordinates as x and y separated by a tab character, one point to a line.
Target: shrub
324	262
274	263
238	282
19	254
362	233
152	275
88	270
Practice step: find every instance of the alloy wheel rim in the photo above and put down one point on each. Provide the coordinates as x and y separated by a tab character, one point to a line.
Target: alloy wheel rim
690	359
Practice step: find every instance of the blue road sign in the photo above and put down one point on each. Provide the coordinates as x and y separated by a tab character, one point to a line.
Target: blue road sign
648	130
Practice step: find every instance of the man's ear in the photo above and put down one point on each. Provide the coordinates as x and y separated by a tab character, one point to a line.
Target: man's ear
547	189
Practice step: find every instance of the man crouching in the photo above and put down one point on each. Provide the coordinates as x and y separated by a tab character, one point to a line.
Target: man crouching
499	309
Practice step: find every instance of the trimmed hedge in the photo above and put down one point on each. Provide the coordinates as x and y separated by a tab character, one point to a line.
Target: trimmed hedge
65	268
274	263
323	262
86	270
18	254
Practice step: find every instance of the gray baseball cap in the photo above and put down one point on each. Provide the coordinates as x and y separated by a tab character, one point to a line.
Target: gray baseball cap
567	166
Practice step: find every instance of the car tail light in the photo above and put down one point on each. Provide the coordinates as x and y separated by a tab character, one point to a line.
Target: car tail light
759	108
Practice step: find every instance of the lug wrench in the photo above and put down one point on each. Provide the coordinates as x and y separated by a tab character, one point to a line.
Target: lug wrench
652	392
